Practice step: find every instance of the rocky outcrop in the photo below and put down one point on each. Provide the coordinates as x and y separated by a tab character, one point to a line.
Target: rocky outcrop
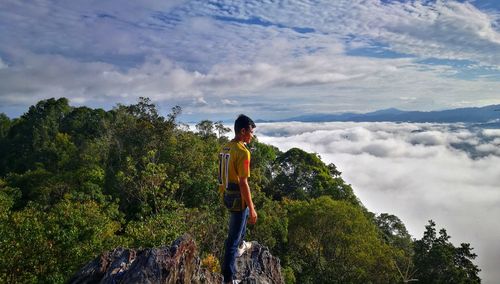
178	263
258	266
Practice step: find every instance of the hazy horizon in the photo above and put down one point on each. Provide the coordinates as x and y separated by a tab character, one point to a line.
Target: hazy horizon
165	110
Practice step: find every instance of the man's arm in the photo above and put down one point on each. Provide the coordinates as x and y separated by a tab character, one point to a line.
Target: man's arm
245	193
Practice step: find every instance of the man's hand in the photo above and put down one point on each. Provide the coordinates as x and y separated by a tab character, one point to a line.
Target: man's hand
245	193
252	218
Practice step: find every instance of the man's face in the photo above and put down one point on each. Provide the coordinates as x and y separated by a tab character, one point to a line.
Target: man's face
247	134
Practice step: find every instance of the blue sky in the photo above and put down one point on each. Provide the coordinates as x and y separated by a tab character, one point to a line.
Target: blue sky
269	59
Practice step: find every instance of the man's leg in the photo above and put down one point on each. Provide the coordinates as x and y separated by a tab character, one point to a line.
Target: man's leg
244	226
237	224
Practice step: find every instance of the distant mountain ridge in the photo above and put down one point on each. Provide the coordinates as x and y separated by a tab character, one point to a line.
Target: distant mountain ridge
486	115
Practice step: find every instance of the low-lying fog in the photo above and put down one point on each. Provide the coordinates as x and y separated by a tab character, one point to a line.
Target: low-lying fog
446	172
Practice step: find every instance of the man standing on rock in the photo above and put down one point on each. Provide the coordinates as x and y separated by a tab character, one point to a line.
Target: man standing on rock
234	170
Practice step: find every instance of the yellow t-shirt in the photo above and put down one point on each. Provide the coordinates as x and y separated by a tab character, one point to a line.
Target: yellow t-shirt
234	162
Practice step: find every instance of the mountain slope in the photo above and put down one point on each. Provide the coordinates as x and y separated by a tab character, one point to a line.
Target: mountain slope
487	114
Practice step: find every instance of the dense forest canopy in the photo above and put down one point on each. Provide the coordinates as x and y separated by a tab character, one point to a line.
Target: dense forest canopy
76	181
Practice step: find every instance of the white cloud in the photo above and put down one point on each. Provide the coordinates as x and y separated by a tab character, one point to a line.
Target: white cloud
229	102
428	138
491	132
441	29
162	79
2	64
182	50
200	102
415	171
488	148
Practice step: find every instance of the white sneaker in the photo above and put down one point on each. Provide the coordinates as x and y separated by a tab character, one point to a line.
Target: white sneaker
244	247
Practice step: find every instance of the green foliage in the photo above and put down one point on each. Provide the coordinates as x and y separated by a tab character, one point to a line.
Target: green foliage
262	165
437	260
221	129
31	140
85	124
77	181
288	275
206	128
135	172
333	242
208	226
48	246
30	183
8	197
394	233
300	175
194	165
272	228
156	230
147	189
5	124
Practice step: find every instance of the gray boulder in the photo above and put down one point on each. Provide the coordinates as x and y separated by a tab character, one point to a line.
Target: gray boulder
178	263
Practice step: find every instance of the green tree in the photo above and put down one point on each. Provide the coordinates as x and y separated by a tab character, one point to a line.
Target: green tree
437	260
47	184
302	176
40	246
156	230
32	184
394	233
208	226
135	132
333	242
206	128
145	110
271	229
85	125
31	141
147	190
221	129
5	124
262	165
194	166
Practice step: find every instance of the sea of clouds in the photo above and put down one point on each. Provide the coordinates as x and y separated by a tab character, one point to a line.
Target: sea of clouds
417	171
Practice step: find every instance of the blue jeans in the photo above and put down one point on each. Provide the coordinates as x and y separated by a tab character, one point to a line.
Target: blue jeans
237	229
